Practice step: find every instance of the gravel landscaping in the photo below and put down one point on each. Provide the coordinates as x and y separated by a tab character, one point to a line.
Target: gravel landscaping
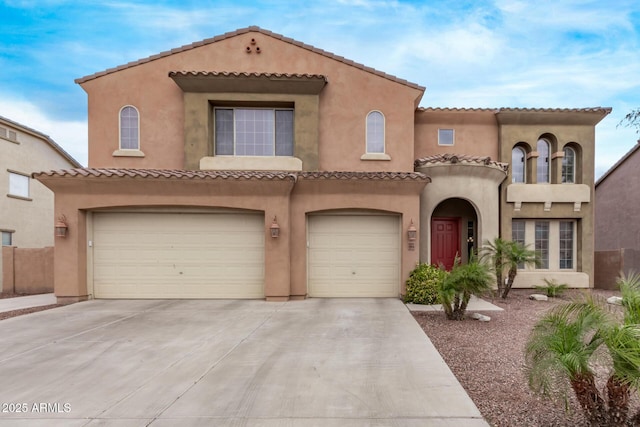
488	359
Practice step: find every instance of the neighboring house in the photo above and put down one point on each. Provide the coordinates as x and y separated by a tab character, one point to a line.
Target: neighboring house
200	156
617	232
27	206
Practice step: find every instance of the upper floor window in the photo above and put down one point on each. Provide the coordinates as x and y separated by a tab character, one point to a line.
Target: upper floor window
18	185
518	164
253	132
375	132
543	161
129	128
445	136
569	166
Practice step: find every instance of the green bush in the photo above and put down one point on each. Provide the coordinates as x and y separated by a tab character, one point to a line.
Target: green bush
423	284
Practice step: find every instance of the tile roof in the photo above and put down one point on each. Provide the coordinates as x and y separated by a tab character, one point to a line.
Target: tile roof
244	31
229	175
459	158
167	174
247	74
375	176
606	110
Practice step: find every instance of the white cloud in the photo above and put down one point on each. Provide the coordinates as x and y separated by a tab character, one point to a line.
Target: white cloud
70	135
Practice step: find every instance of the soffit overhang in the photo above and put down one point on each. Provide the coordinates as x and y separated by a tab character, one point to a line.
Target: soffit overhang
551	116
242	82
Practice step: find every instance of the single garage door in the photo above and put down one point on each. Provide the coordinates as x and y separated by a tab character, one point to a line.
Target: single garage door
172	255
354	256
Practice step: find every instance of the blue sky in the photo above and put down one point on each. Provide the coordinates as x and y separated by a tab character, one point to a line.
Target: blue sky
501	53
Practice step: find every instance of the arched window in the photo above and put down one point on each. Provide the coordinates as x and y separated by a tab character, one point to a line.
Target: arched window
543	161
375	132
518	164
129	128
569	166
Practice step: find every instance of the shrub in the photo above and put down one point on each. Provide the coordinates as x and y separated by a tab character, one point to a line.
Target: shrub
552	288
423	284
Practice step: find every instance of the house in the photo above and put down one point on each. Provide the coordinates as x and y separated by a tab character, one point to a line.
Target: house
27	205
251	165
617	234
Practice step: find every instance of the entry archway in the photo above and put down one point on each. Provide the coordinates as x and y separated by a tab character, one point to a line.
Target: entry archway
454	231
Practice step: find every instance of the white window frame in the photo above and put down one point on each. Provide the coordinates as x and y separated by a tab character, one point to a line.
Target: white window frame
553	243
573	166
17	182
4	234
522	151
371	115
543	161
215	142
442	132
137	128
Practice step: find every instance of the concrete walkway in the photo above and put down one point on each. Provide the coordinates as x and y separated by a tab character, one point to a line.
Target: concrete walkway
318	362
18	303
475	304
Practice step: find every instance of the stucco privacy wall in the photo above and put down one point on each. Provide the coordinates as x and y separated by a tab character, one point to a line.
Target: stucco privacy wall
349	96
27	270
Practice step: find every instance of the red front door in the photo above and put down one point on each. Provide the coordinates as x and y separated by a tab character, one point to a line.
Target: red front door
445	241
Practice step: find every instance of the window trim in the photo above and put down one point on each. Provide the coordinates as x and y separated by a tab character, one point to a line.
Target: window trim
542	158
10	234
19	196
273	109
370	115
573	166
554	249
453	137
573	245
524	164
128	152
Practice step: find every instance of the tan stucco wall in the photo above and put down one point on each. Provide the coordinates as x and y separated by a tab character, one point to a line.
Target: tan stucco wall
475	183
583	137
475	132
344	103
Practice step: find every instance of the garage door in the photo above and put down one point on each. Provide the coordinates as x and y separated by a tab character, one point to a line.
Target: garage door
354	256
170	255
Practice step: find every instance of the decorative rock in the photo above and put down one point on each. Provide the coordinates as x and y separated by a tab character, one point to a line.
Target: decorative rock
615	300
480	317
538	297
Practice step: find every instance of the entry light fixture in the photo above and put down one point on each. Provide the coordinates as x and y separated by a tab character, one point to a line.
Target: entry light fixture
275	228
61	226
412	235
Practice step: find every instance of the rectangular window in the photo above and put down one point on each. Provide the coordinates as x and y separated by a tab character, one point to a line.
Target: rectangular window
253	132
542	243
517	235
566	244
7	238
18	185
445	136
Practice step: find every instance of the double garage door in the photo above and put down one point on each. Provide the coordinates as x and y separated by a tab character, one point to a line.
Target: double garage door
189	255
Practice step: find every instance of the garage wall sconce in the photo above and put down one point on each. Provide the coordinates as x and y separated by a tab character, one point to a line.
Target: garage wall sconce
61	226
275	228
412	235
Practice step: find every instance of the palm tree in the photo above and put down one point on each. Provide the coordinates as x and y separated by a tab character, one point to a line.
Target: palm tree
464	280
506	255
563	346
517	255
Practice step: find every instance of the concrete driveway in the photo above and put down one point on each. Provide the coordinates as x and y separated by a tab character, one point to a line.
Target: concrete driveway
319	362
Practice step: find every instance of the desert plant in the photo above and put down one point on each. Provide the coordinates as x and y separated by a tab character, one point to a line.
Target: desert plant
506	257
423	284
562	351
463	280
552	289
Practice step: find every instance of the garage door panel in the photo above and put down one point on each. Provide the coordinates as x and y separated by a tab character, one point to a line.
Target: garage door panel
354	256
148	255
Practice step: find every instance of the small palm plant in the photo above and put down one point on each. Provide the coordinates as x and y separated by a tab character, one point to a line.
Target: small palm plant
507	256
563	346
464	280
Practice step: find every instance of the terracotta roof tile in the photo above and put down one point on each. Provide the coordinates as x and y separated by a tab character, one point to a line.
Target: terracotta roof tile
376	176
230	175
459	158
168	174
606	110
246	74
244	31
